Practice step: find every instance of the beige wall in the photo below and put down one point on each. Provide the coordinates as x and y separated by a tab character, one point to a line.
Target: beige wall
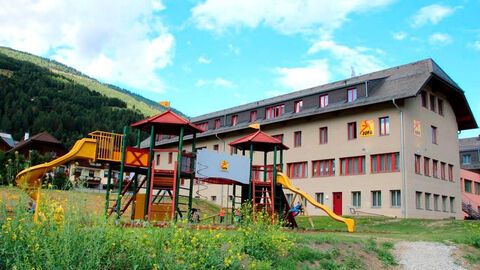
339	146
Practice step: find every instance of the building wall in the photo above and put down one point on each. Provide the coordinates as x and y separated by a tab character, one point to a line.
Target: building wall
339	146
445	151
471	197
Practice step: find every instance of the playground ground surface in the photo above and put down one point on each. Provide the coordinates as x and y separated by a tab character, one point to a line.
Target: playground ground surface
87	241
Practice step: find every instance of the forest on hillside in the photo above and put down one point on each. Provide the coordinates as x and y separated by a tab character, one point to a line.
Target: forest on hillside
33	100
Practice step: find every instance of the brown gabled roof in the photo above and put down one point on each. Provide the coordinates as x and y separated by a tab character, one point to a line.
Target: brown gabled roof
43	137
260	141
168	123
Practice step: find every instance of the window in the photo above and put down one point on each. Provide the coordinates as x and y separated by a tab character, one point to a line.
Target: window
275	111
418	200
352	130
297	139
434	135
428	196
384	124
477	188
323	135
232	150
214	198
105	173
253	116
203	126
452	204
159	137
289	198
356	199
91	173
432	103
352	95
444	203
319	197
450	172
279	137
440	107
417	164
323	101
396	198
466	159
424	99
467	186
304	202
171	136
158	160
435	168
352	165
385	163
298	106
426	166
215	147
216	124
323	168
297	170
435	202
170	158
376	198
442	170
234	120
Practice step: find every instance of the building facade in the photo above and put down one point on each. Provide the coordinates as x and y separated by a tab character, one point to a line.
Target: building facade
470	183
380	143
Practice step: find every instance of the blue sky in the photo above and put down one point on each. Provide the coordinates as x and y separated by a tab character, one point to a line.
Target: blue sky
213	54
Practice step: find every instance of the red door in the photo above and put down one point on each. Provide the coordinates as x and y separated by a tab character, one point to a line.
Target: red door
337	203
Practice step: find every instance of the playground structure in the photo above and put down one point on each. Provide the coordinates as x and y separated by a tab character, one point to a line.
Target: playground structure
155	194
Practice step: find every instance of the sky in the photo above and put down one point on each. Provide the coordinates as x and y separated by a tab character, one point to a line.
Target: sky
209	55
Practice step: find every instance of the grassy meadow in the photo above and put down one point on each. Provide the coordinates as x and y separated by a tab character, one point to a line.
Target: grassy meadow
72	233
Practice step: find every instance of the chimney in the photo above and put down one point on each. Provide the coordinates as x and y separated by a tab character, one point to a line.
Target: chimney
27	135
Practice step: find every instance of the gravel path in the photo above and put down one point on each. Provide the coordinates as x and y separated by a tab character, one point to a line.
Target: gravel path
425	255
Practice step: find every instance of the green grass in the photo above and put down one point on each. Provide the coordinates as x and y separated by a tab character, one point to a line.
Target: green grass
144	105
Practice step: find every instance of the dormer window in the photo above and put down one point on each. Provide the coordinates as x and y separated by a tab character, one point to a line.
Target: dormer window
203	126
298	106
253	116
323	101
234	120
216	124
274	111
351	95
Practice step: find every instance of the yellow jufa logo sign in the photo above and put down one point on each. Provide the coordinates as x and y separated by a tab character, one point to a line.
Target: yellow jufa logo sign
224	166
417	128
367	128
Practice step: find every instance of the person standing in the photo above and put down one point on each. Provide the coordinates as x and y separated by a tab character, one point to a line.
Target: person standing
222	215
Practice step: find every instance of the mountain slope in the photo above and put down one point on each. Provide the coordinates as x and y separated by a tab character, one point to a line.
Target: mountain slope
145	106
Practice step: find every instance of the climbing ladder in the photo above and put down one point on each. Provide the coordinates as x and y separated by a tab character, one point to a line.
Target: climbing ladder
125	198
262	198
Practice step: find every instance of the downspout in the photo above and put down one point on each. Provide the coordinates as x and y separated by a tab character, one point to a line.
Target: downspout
402	146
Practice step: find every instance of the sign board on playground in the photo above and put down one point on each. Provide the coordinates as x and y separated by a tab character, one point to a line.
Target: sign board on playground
212	164
367	128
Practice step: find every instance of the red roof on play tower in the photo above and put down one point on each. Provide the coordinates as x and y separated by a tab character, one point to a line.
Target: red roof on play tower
168	123
261	142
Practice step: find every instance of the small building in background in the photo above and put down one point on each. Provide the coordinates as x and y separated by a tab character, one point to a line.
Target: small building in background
6	142
469	154
43	143
470	184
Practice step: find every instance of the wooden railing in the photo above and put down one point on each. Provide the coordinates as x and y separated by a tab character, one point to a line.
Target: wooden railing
109	145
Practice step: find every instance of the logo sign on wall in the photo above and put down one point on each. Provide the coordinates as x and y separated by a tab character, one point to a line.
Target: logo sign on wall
417	128
367	128
224	166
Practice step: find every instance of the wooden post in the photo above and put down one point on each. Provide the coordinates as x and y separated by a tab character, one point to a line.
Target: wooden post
179	171
251	172
107	193
149	173
122	164
192	176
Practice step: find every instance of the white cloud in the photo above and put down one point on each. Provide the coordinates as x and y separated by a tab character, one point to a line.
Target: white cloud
361	59
475	45
440	39
399	35
431	14
203	60
285	16
117	42
216	82
233	49
223	82
315	73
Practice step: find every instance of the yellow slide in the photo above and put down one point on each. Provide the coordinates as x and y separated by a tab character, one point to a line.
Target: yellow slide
30	179
285	182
